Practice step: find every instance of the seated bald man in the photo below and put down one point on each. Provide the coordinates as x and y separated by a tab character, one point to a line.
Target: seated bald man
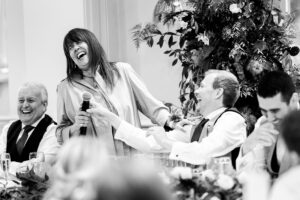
34	131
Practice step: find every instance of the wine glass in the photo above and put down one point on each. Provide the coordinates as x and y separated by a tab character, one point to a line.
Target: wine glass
37	156
5	163
223	165
37	159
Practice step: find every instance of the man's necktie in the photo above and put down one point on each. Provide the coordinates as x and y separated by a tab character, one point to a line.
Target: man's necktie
21	142
198	130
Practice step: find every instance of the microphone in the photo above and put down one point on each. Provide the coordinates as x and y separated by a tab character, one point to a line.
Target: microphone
85	105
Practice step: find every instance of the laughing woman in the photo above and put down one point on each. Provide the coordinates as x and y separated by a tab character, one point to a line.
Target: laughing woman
115	85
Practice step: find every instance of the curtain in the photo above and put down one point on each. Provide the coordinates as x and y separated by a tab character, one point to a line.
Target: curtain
3	56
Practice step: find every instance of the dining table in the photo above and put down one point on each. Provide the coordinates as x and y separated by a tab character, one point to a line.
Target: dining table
22	185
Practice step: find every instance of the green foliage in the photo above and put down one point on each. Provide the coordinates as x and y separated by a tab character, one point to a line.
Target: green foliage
246	37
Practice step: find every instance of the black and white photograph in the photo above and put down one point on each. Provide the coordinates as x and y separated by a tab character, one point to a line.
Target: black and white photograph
149	99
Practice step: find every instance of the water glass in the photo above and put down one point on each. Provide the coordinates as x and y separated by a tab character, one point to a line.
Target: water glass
5	163
37	159
37	156
223	165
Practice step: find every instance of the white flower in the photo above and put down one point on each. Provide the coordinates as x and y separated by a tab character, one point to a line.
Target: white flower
209	174
182	172
204	196
203	38
225	182
273	12
255	67
234	8
183	24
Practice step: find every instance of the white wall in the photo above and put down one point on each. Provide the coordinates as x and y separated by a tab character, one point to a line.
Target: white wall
154	66
15	50
117	18
36	29
4	93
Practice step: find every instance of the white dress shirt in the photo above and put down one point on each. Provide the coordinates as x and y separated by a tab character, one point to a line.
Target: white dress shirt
257	186
48	144
228	133
280	149
257	158
138	138
254	160
287	186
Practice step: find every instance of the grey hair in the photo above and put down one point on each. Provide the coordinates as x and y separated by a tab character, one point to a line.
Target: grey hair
40	87
229	83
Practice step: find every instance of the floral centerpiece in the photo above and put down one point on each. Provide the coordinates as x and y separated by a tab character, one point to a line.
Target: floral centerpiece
246	37
29	186
209	185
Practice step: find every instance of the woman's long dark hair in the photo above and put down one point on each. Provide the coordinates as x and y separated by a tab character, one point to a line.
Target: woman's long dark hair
97	56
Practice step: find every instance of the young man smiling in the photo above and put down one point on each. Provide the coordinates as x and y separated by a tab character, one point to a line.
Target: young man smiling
221	131
264	148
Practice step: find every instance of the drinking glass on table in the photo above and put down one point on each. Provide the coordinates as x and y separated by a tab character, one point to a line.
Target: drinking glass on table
37	159
5	163
223	165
